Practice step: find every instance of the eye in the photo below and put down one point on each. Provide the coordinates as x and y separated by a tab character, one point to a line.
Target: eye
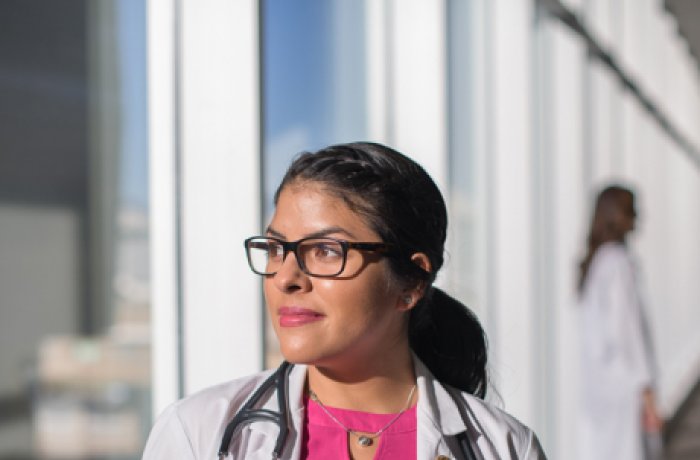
324	251
274	250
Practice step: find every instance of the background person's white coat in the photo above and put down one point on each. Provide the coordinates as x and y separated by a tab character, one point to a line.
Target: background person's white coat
617	362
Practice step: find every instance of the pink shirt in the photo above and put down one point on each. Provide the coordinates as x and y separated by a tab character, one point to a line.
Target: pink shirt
323	438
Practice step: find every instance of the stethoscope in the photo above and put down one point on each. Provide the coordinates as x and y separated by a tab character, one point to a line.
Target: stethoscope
279	380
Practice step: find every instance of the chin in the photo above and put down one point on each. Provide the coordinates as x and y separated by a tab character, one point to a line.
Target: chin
297	354
309	354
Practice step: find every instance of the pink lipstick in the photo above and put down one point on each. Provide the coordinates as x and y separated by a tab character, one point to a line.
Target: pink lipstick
297	316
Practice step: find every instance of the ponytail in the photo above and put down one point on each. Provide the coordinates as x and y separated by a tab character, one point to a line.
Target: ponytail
449	339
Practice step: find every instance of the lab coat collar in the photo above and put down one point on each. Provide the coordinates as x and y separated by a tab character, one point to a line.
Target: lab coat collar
438	416
435	403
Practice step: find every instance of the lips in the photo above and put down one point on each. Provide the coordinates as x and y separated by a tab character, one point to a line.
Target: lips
297	316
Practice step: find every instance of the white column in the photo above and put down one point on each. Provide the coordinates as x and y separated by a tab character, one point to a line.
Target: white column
163	203
601	121
511	199
378	69
417	83
567	220
220	129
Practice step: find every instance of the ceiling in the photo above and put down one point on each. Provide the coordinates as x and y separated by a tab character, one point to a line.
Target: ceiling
687	13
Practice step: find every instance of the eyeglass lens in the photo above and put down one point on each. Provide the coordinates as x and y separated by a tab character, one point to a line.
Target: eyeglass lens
319	256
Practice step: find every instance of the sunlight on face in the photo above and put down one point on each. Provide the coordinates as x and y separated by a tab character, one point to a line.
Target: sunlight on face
356	315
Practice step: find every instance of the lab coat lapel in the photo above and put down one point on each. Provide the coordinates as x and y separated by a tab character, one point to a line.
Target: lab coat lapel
437	415
440	421
263	435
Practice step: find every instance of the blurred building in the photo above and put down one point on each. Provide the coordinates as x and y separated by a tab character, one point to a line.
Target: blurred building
75	303
141	142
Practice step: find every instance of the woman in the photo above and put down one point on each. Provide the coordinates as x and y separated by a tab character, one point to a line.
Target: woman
618	404
386	366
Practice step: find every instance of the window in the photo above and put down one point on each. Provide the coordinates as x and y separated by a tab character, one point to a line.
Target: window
314	87
74	274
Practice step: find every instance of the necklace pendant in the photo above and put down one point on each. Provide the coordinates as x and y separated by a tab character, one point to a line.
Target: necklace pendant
364	441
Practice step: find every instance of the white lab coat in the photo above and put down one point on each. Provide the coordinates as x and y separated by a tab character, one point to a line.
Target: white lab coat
193	427
616	358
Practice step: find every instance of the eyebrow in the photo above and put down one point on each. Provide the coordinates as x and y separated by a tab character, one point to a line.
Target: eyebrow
317	234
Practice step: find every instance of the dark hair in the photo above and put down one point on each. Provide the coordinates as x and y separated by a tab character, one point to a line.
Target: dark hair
405	208
607	225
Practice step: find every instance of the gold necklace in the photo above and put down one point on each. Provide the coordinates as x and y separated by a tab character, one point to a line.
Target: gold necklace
364	440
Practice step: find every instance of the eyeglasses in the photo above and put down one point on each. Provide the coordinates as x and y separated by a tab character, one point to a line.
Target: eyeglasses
320	257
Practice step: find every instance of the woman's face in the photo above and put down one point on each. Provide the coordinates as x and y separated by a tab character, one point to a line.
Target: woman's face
628	213
325	321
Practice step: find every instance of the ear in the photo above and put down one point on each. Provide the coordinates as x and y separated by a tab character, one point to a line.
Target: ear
421	259
412	294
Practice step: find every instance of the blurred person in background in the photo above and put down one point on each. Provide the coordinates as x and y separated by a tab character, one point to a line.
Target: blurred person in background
385	366
619	417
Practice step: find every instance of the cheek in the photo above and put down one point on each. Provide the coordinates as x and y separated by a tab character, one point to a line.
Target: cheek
365	298
269	293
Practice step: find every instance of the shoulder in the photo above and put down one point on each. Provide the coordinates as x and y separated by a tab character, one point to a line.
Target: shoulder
611	259
611	253
502	432
196	422
220	398
497	434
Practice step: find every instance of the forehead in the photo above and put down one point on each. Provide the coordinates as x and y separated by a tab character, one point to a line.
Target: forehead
309	208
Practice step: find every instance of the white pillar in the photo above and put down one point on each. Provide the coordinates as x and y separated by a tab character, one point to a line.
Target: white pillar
204	135
417	82
511	293
220	132
163	223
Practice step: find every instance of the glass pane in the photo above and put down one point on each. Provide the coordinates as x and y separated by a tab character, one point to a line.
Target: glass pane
74	274
314	86
465	235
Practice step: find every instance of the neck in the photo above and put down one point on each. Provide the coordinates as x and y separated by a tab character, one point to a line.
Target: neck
378	384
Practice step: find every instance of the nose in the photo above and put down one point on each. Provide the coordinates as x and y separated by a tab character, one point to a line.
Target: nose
289	278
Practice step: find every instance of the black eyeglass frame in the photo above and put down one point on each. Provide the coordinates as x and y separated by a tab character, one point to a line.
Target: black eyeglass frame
292	246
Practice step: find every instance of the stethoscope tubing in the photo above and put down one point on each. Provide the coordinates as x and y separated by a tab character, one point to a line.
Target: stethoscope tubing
280	379
248	415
